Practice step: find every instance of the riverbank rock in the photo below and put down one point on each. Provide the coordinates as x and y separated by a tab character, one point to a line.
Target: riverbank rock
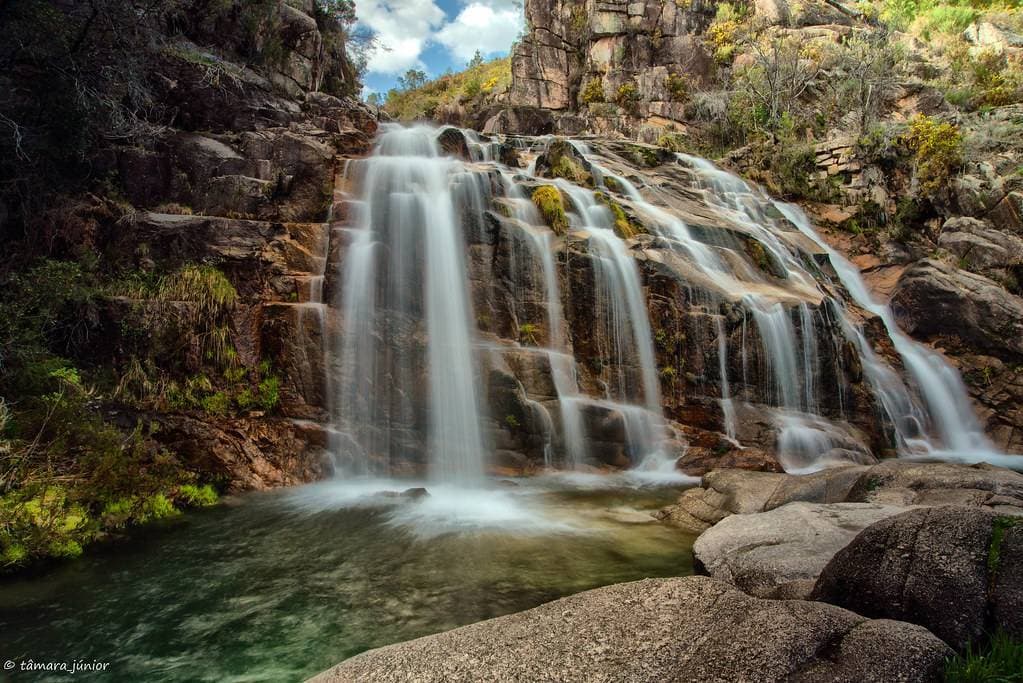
891	482
681	629
952	570
782	552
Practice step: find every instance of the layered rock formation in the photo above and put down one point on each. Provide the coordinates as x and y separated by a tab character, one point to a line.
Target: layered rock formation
570	44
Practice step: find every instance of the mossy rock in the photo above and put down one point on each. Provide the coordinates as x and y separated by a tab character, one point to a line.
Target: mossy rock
548	200
561	161
764	259
623	227
651	157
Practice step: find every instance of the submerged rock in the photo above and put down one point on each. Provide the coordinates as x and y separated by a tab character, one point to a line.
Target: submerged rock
681	629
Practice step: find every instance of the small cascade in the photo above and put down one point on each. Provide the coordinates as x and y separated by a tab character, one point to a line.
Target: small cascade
727	407
623	308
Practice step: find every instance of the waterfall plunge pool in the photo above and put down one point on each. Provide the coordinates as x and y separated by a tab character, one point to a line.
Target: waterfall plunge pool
277	586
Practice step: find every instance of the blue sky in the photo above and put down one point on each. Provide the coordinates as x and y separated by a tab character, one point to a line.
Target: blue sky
435	35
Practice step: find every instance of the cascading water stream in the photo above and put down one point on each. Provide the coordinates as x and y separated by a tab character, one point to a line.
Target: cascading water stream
404	287
938	383
948	410
407	354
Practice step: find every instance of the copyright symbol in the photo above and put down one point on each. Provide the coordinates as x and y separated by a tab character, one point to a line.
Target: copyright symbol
8	665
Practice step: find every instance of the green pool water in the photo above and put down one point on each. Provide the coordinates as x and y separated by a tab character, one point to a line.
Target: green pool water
278	586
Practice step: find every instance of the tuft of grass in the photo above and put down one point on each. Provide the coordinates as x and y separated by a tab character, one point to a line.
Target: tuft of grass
994	554
999	661
202	285
174	208
548	200
528	332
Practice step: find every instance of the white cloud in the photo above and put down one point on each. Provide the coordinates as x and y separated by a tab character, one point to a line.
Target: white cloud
481	27
403	27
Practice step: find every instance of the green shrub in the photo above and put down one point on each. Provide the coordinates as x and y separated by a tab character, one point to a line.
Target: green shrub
725	31
269	392
678	87
675	142
937	151
191	495
947	19
627	97
217	403
593	92
547	199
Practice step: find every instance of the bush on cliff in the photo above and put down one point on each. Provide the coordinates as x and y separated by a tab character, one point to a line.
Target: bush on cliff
937	151
68	475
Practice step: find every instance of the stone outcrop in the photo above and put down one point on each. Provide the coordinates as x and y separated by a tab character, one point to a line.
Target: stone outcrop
243	176
782	552
935	301
953	570
688	629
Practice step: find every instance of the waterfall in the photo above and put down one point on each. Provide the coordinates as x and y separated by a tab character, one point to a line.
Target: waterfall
727	408
404	286
424	248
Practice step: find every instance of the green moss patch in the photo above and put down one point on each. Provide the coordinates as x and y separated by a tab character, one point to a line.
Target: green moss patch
548	200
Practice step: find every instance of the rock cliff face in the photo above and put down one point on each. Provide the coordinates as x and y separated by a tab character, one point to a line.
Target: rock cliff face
239	175
571	43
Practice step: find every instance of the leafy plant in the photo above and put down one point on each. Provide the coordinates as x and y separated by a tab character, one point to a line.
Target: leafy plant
528	332
593	92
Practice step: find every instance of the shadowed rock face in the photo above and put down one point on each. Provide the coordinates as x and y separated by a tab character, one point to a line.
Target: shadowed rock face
689	629
942	568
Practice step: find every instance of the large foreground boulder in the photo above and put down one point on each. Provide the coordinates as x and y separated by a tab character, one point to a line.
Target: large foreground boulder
955	570
681	629
780	554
